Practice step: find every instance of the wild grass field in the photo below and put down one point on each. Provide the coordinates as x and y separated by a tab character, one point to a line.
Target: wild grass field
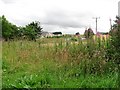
57	63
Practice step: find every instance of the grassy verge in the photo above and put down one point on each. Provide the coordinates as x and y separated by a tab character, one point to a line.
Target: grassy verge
28	64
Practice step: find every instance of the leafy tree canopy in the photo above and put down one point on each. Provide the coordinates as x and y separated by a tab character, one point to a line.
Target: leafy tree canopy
11	31
8	29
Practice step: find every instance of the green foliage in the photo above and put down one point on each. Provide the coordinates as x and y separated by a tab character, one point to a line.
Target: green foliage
113	50
114	47
10	31
33	30
74	39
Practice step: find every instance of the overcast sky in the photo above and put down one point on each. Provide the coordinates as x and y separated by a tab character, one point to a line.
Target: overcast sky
67	16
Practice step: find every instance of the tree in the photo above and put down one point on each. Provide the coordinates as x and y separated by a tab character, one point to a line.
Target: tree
88	33
33	30
77	33
21	32
36	26
11	31
8	30
56	33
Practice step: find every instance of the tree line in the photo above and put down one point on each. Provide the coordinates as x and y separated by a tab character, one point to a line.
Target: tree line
11	31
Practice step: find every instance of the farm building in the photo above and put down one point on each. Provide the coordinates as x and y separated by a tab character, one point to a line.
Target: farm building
47	34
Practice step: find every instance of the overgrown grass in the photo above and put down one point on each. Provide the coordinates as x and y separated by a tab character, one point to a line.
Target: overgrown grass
55	63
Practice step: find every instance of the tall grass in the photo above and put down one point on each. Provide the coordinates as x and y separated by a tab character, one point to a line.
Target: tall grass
57	63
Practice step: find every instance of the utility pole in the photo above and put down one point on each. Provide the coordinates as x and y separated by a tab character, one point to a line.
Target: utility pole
110	24
96	18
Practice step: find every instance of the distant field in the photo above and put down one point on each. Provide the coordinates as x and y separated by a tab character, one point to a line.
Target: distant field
56	63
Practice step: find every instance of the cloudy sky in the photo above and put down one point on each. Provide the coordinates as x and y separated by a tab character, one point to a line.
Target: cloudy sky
67	16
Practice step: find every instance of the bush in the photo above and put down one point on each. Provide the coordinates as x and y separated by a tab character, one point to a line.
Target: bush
113	50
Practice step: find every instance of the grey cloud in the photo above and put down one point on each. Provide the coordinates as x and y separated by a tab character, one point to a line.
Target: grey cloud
66	19
8	1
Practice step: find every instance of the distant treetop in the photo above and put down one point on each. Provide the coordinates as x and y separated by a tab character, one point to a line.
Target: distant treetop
56	33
